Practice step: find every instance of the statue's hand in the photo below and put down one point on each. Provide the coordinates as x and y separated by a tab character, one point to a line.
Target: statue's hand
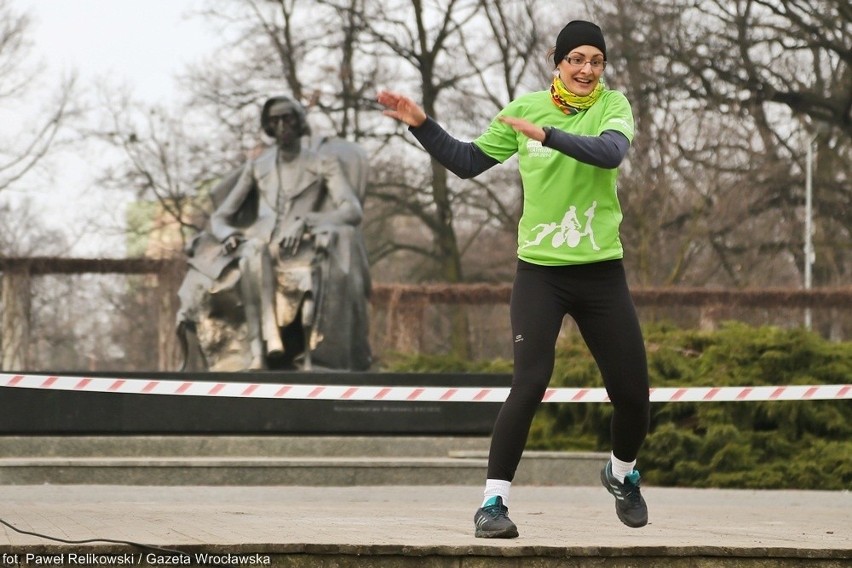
291	238
322	241
231	243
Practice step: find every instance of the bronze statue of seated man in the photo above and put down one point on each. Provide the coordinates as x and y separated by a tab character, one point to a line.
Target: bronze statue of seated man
284	247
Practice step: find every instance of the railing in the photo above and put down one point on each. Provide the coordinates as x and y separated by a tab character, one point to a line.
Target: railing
399	311
407	315
16	299
473	294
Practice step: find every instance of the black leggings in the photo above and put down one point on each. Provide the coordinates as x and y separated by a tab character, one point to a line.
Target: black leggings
597	297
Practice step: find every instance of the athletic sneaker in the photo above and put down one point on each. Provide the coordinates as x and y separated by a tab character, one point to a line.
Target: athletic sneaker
629	504
492	520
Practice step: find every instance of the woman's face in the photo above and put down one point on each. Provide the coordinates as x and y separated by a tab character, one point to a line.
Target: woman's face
581	69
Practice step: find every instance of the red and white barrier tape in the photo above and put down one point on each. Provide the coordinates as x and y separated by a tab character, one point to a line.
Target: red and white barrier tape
409	394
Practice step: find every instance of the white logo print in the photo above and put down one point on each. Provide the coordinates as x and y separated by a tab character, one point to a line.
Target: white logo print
536	150
567	232
625	125
519	338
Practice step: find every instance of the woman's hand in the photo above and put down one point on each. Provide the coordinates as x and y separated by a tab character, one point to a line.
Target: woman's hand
525	127
401	108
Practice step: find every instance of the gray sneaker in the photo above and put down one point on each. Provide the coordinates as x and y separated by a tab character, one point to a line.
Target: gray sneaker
492	521
629	504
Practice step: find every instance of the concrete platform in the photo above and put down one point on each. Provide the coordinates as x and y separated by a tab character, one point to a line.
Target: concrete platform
421	526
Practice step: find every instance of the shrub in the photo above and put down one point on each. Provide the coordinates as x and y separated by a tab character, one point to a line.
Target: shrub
772	444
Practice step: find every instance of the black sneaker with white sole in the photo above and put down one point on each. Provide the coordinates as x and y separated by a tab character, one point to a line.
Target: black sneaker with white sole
629	504
492	520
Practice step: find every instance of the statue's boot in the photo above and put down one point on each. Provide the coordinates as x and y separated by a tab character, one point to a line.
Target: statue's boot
308	313
256	364
274	345
308	364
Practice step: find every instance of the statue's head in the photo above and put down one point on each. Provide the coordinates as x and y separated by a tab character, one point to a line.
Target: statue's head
283	106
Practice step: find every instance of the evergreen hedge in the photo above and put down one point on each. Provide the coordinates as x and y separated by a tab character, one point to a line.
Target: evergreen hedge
766	445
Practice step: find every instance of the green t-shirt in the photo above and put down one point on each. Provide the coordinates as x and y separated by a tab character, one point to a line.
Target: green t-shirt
571	213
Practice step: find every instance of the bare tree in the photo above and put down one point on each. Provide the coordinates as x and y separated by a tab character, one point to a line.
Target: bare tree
171	157
311	51
332	55
725	94
25	234
20	153
465	60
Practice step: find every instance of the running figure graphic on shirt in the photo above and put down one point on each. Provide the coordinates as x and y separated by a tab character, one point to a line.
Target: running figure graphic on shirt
568	230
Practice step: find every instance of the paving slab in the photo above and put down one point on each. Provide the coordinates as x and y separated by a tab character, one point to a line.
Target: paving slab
406	526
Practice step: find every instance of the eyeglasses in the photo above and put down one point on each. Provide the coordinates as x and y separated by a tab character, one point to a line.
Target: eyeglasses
577	61
289	118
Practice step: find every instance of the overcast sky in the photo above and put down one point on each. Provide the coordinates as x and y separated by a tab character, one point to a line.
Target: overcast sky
141	44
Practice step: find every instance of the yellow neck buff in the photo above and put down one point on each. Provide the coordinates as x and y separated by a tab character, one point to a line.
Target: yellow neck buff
568	102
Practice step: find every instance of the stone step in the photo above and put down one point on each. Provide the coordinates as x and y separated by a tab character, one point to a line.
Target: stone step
238	446
312	461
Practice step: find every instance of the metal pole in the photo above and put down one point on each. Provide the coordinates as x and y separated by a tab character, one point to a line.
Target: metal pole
809	246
